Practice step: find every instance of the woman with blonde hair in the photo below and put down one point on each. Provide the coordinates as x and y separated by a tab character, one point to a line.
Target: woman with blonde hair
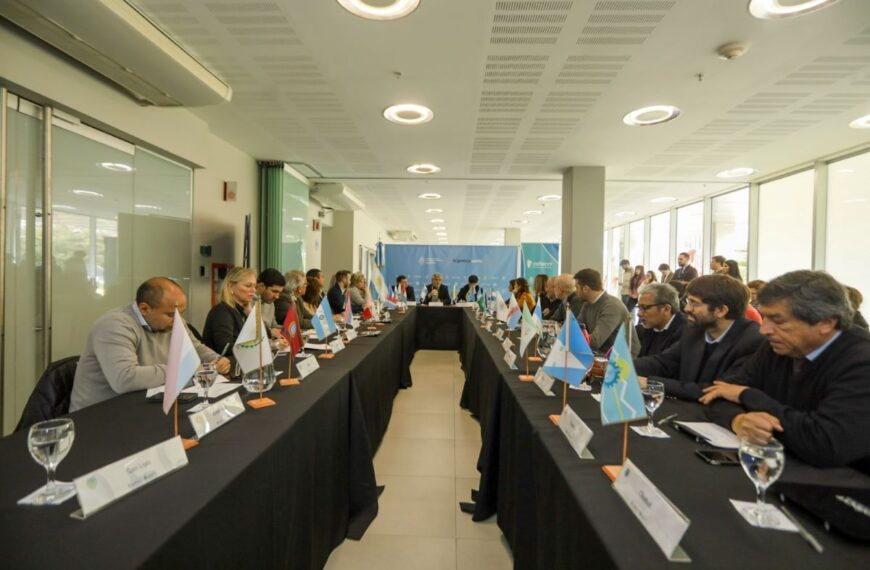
357	292
225	320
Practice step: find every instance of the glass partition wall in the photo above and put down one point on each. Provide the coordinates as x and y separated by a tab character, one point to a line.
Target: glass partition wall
118	215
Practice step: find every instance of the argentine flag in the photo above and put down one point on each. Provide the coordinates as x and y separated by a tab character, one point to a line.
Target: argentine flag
183	362
324	324
513	314
501	310
570	358
537	315
531	327
621	398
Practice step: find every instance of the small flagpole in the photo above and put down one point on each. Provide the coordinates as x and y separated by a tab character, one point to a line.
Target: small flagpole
624	442
176	416
259	321
567	349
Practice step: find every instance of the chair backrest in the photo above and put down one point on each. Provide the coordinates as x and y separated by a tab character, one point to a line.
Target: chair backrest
51	396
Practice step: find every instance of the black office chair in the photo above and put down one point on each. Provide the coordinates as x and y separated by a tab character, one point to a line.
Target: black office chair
194	332
51	396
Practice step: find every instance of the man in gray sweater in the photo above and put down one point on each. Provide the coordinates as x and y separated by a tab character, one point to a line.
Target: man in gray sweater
128	347
602	314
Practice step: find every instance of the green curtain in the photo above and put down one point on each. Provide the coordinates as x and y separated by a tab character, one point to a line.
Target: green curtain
271	203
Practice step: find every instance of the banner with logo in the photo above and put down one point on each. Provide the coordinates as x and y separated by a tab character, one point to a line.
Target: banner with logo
540	258
494	265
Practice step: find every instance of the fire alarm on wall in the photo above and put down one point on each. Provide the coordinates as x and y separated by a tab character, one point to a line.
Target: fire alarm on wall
230	188
315	225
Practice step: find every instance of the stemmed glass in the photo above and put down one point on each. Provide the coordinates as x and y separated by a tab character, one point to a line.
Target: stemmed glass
48	443
205	377
763	464
548	338
653	396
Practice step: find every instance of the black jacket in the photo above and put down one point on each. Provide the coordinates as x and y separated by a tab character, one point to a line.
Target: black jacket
336	299
680	366
686	274
652	342
223	325
573	301
463	293
443	294
823	407
409	293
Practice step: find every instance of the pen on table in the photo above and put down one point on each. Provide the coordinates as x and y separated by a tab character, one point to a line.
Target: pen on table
667	419
817	546
224	351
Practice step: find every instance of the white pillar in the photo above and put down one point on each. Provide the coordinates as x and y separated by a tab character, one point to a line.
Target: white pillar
512	236
582	218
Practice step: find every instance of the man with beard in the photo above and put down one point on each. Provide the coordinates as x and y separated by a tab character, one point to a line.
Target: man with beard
714	346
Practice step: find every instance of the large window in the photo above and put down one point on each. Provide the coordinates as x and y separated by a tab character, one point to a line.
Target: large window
617	245
785	225
730	231
659	241
690	233
294	223
848	210
636	237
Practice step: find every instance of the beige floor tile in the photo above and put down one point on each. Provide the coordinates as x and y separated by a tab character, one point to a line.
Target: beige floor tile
426	401
416	506
421	426
416	457
473	554
385	552
467	453
465	427
465	527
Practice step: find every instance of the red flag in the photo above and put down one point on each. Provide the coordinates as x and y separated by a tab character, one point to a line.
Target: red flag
291	329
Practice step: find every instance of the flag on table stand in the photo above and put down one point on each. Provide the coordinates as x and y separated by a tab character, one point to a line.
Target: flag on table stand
530	328
481	302
513	314
380	285
323	321
290	329
454	293
251	349
570	358
379	254
538	316
183	362
348	312
501	310
368	314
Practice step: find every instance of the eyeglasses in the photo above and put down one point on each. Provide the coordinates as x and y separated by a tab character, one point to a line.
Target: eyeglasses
645	308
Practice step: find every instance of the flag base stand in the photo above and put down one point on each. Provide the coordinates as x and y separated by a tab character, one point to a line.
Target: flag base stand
535	359
188	443
526	378
555	419
372	328
326	355
289	382
380	325
612	471
261	403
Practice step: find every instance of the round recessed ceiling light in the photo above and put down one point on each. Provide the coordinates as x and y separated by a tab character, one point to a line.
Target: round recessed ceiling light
736	172
861	122
652	115
387	11
437	220
429	196
549	198
663	199
532	212
91	193
408	114
772	9
624	214
434	211
116	166
423	169
438	228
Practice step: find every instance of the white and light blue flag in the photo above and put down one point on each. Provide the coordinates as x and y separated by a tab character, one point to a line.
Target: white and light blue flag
570	358
621	398
324	324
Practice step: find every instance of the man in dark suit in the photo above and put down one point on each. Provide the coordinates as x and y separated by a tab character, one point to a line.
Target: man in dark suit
715	345
436	291
686	272
405	289
469	291
336	295
807	385
661	322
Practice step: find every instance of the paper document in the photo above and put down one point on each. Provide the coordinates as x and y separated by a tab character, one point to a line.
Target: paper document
315	346
714	434
215	389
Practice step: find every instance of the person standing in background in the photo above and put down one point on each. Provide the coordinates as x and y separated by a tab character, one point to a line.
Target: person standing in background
634	286
666	272
625	275
686	272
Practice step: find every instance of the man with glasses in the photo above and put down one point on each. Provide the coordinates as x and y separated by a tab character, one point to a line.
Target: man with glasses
714	346
661	322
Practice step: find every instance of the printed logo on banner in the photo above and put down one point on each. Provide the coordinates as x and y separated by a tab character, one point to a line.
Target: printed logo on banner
494	265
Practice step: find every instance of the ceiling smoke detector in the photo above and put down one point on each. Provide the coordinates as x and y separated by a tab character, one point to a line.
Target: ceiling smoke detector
732	50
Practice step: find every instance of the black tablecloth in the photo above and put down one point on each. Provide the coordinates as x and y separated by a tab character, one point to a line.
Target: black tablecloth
558	511
439	328
278	487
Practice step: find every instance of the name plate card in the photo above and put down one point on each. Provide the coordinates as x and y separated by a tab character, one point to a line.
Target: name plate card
305	366
499	334
102	487
350	334
544	381
507	344
336	346
387	318
436	304
661	519
511	359
489	326
216	415
577	432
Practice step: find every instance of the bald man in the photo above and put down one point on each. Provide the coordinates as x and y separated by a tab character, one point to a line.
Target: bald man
128	347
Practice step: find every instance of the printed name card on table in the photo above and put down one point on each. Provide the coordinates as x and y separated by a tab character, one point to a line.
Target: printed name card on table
507	344
661	519
511	359
436	304
576	432
102	487
206	421
489	326
499	334
305	366
336	345
544	381
350	334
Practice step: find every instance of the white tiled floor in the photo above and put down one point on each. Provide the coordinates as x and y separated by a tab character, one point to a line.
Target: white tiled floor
427	462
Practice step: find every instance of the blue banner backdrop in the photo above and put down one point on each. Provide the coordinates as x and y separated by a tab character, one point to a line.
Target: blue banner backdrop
494	265
540	258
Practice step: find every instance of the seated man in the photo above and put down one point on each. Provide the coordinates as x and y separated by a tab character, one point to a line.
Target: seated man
404	289
435	291
717	342
809	386
565	292
128	347
470	291
270	285
661	322
336	293
602	314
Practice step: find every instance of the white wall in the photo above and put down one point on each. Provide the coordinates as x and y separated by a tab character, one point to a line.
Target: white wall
46	73
366	232
342	241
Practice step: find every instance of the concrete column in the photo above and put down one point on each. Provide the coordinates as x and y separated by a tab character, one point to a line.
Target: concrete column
512	236
582	218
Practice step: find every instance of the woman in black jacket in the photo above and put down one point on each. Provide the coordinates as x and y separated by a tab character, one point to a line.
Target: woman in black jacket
225	320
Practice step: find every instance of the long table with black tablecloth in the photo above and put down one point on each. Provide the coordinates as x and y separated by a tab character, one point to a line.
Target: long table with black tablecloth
278	487
559	511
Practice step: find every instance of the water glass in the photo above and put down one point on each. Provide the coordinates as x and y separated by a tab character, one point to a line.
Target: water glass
205	377
763	464
653	396
48	443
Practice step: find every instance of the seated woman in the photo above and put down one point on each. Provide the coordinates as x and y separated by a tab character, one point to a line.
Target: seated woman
225	320
524	297
357	292
436	291
311	299
553	303
296	287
